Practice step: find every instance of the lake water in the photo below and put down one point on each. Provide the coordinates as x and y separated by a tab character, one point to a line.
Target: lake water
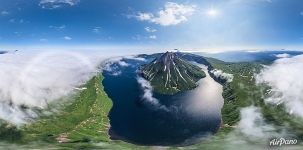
180	119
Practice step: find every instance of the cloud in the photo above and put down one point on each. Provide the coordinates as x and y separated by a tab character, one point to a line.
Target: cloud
113	65
171	14
67	38
15	114
284	77
53	4
4	13
301	13
148	94
252	124
220	74
144	16
252	131
36	79
17	21
153	37
150	30
284	55
135	58
58	27
96	29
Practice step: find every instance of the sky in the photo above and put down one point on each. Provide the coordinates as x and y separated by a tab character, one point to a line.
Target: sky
203	25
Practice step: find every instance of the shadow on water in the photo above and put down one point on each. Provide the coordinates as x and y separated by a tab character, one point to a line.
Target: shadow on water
136	121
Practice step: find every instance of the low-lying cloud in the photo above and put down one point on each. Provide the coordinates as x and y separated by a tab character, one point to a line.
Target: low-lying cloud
148	91
284	55
284	77
113	65
220	74
35	80
148	94
252	123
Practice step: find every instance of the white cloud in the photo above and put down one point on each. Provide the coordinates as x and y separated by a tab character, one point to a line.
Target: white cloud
148	94
135	58
220	74
67	38
35	80
114	69
171	14
4	13
153	37
149	29
58	27
284	55
144	16
284	77
123	64
53	4
96	29
252	123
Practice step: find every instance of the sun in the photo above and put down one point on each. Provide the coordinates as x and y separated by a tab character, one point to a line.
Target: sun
212	12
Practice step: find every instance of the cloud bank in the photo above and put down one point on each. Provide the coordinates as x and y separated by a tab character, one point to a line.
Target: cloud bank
284	77
171	14
35	80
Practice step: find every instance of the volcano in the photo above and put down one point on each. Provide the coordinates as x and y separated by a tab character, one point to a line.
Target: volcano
170	74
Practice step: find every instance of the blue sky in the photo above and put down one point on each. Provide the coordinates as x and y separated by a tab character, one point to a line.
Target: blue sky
204	25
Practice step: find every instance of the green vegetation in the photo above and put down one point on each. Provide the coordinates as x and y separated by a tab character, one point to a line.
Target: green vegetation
8	132
170	74
83	120
243	92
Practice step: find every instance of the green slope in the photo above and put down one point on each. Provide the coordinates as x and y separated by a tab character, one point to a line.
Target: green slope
243	92
83	120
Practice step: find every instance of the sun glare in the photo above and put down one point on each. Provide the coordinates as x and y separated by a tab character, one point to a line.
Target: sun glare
212	12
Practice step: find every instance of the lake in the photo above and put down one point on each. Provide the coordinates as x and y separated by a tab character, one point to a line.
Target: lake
180	119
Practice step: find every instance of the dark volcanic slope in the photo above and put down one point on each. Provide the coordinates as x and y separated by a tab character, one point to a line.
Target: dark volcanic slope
170	74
